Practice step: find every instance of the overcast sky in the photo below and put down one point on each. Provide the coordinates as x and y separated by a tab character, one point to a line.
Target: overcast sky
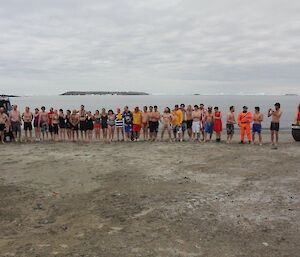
157	46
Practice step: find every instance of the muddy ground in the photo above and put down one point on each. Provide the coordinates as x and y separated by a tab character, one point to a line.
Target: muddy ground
150	199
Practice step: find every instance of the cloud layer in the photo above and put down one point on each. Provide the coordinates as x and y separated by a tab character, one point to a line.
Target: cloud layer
191	46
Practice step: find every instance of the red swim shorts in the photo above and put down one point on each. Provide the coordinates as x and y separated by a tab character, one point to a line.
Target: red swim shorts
136	128
97	126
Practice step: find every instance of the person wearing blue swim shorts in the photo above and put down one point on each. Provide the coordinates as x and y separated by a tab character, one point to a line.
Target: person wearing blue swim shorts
208	124
256	127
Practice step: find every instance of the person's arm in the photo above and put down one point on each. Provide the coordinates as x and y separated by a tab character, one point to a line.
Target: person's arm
270	112
172	118
8	121
227	118
250	118
279	114
261	117
239	120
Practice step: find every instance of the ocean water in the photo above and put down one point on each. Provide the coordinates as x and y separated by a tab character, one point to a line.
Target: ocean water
289	103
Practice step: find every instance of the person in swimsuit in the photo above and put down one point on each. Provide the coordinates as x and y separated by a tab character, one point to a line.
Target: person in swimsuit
297	119
208	124
55	124
256	127
151	123
145	123
89	125
82	123
50	123
15	121
111	122
230	121
97	124
189	121
217	123
62	124
183	124
244	120
202	119
3	121
104	124
166	120
68	125
119	125
27	118
37	124
44	122
275	123
74	120
196	114
127	119
156	119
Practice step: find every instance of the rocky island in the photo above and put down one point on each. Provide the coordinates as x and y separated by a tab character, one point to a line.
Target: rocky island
103	93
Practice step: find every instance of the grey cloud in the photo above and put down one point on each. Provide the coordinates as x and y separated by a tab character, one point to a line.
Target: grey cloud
154	46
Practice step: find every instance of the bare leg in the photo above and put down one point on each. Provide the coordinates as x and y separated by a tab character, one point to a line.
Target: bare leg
260	138
26	135
162	133
2	137
170	134
272	137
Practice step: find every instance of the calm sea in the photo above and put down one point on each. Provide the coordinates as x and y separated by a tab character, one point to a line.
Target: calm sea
92	103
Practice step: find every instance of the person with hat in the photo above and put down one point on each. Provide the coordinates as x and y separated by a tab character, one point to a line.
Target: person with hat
244	122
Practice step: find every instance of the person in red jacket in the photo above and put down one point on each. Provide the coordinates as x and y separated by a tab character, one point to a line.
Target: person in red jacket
244	120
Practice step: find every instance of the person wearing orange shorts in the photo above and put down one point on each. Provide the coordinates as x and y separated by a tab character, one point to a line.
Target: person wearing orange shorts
137	123
244	120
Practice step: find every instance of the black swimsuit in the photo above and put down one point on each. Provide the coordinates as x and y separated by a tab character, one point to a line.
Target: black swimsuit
68	123
62	122
104	121
89	123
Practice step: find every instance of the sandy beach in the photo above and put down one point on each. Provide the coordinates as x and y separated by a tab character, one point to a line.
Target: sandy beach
150	199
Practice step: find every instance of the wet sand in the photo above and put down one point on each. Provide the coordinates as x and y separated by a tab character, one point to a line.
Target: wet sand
150	199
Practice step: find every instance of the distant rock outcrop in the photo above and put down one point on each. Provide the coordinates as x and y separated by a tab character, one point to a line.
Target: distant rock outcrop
103	93
9	96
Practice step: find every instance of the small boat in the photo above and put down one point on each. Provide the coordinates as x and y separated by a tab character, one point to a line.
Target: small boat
296	132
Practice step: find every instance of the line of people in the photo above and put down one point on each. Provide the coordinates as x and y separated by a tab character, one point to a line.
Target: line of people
197	122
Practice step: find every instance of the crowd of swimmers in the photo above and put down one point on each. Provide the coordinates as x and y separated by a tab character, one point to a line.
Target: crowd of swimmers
194	123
